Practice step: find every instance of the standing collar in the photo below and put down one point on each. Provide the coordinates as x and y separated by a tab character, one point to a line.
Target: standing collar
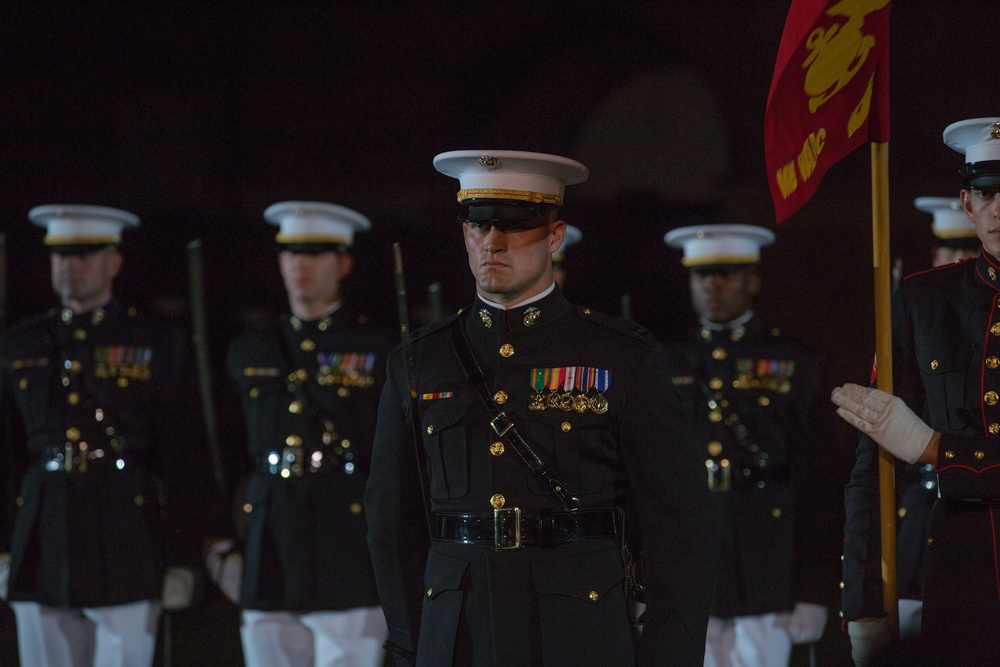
988	269
526	315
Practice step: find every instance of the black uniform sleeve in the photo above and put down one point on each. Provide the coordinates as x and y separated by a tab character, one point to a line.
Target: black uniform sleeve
397	529
676	514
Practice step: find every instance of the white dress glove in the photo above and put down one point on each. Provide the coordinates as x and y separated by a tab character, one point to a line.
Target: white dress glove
807	622
885	418
225	567
868	639
178	588
4	575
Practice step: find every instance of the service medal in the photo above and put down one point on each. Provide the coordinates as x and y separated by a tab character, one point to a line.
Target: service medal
580	403
599	404
537	402
566	402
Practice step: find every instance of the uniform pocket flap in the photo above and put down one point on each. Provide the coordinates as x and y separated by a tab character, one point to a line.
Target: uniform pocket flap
938	359
443	574
444	413
589	578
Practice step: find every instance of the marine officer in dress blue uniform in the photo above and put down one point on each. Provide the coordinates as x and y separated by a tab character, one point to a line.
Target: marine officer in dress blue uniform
759	400
944	413
548	438
309	384
955	240
113	455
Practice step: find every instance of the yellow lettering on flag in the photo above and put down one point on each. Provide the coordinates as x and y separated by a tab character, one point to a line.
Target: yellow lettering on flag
809	155
787	181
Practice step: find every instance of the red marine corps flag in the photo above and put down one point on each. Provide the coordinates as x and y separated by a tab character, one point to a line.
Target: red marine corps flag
829	93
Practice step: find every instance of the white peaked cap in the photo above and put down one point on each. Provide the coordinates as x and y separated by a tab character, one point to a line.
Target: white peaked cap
81	224
976	138
706	245
538	178
315	222
950	221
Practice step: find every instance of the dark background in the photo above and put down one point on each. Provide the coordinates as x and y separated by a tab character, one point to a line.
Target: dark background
197	116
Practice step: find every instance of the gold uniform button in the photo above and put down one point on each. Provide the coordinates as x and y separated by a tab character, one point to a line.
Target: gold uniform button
73	397
23	384
247	508
139	500
122	382
80	334
994	428
295	407
73	434
901	512
842	584
355	508
949	454
978	454
343	391
593	596
714	448
497	501
19	501
776	512
715	416
565	426
500	397
586	311
75	366
991	398
715	383
764	401
719	353
992	362
496	449
430	429
307	345
293	441
430	592
506	350
995	329
301	375
934	364
930	541
254	392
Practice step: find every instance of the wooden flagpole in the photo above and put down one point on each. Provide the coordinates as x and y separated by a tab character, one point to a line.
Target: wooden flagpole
883	361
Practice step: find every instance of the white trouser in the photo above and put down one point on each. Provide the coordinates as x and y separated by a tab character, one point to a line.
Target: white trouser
748	641
119	636
910	615
349	638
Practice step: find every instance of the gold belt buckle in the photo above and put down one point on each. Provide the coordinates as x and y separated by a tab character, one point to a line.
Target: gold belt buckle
502	519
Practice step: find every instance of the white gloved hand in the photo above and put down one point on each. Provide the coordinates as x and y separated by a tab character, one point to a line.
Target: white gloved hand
225	567
178	588
4	575
868	638
807	622
885	418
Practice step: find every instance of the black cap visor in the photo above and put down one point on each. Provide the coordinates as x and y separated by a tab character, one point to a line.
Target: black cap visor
505	213
80	249
725	270
980	174
312	248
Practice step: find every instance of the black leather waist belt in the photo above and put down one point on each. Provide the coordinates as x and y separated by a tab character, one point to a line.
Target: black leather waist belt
513	528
